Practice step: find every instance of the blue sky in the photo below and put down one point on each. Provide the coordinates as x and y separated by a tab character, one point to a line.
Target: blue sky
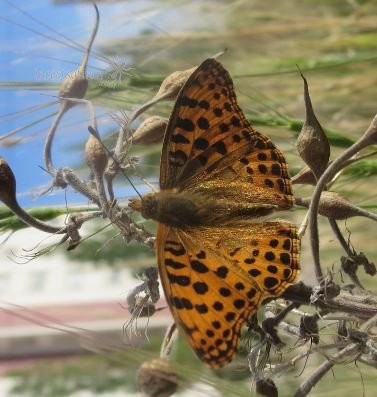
25	54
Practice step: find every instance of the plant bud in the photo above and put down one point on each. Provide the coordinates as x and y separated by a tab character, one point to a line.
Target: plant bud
304	177
312	143
157	378
332	205
169	90
173	83
150	131
74	85
95	155
7	184
266	388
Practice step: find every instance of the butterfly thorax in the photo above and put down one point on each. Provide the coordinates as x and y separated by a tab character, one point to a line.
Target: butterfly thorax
192	209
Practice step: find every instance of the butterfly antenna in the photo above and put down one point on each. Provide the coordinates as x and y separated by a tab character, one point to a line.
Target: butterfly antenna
96	135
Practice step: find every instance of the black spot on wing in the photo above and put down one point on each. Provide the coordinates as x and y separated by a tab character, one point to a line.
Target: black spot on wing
203	123
177	250
185	124
199	267
270	282
220	147
174	264
177	158
179	138
201	143
183	281
200	287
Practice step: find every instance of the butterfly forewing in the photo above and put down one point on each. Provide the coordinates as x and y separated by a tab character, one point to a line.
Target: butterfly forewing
207	131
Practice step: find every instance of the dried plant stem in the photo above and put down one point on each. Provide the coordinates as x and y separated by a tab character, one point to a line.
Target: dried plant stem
340	237
361	306
350	350
318	374
169	340
68	176
367	139
74	86
50	137
124	133
33	222
304	225
84	62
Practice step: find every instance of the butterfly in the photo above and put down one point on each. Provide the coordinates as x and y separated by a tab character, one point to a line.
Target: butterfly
217	262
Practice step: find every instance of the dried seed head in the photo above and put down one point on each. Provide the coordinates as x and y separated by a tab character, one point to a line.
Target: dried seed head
95	155
168	90
74	85
150	131
142	308
312	143
173	83
332	205
352	262
304	177
157	378
266	387
7	184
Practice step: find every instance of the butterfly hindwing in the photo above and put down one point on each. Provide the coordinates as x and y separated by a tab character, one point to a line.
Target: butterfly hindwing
208	132
199	286
214	282
267	251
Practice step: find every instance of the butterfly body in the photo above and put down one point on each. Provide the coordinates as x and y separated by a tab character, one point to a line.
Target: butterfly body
217	261
193	209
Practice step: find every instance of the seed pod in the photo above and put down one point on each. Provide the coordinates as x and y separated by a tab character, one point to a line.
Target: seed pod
7	184
173	83
95	155
266	388
332	205
312	143
156	378
304	177
74	85
168	90
150	131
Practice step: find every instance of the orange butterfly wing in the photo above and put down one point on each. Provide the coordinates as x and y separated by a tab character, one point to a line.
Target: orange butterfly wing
214	278
214	282
207	133
198	297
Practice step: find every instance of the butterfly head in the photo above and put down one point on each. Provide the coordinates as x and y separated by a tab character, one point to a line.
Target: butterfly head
147	205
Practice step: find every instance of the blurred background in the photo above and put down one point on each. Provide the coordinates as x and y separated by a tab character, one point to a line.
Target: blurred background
64	325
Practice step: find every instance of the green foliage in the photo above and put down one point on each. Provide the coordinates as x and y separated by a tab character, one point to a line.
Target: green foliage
362	169
8	221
